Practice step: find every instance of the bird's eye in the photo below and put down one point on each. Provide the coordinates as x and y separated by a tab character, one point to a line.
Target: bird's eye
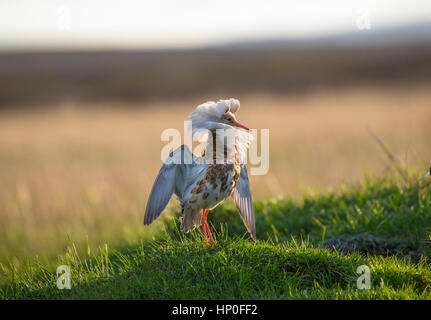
229	119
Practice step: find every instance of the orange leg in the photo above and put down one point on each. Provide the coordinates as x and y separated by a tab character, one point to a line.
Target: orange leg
205	226
203	222
209	233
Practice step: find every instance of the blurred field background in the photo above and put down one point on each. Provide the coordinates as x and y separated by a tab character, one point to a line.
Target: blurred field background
80	130
83	172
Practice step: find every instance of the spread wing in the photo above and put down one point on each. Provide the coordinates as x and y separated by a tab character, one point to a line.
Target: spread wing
161	192
164	186
242	197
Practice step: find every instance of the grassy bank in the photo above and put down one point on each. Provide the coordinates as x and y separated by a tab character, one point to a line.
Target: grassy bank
307	249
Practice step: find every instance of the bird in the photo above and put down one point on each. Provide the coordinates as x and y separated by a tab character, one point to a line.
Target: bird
201	182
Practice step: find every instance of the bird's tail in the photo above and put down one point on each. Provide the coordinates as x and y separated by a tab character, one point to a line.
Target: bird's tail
191	220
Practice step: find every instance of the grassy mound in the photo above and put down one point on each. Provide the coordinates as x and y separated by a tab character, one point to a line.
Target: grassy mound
301	254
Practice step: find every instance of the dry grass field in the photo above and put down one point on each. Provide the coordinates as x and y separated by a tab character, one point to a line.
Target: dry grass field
84	172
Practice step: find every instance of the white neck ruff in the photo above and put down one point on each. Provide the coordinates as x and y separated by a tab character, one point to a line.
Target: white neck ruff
229	142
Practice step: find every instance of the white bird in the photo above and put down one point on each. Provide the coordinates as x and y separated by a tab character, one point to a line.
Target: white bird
205	181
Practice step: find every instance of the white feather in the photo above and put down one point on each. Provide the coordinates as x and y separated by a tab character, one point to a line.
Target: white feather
207	116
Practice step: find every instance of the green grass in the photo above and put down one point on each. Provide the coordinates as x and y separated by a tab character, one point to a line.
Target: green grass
291	259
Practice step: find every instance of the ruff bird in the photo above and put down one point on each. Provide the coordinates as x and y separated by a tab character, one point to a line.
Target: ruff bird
202	182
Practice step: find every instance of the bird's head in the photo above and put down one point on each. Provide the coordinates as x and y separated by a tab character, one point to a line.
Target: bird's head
216	115
212	116
230	119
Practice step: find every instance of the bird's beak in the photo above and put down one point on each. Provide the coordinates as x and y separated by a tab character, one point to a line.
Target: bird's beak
239	125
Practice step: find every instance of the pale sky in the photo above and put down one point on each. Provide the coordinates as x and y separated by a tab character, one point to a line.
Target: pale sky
71	24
